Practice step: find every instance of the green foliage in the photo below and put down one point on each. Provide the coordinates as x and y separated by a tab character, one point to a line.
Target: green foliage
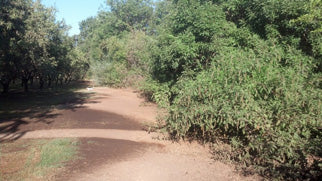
268	113
111	74
122	61
116	44
157	92
13	15
310	26
259	97
257	14
186	41
131	14
244	72
255	86
294	23
34	45
112	50
138	50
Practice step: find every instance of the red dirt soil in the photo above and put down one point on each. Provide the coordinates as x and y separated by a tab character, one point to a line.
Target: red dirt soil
113	145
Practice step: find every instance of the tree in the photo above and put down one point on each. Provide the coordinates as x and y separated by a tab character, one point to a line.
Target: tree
131	14
185	42
293	23
13	16
33	44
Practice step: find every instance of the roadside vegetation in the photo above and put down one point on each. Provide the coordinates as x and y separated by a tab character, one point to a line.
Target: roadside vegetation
246	73
36	159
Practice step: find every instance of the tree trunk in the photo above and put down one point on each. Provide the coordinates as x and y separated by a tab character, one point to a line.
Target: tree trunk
66	80
31	81
57	79
25	84
5	82
49	82
5	86
41	83
83	76
69	80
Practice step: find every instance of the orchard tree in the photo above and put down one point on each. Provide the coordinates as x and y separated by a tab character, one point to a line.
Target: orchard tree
34	46
13	16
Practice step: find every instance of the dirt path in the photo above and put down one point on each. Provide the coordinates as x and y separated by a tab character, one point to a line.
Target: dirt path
139	136
114	146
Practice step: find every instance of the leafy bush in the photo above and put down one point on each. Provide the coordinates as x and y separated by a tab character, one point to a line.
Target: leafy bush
123	61
138	50
247	72
187	43
266	110
109	74
157	92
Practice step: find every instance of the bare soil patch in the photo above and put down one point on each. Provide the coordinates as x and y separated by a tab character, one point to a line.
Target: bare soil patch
105	108
84	118
96	152
109	122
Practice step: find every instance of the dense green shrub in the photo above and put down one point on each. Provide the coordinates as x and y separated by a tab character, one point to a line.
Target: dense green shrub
245	72
296	23
122	61
156	92
109	74
187	41
267	111
138	47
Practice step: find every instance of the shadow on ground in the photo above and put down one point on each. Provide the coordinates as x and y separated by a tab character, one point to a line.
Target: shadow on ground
95	152
18	108
84	118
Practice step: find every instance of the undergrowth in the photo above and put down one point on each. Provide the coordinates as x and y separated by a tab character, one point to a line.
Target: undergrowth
269	113
246	73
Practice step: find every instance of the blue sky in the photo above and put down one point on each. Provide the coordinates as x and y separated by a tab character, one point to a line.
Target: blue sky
74	11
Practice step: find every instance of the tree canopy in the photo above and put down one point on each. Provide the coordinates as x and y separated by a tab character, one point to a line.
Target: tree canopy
35	46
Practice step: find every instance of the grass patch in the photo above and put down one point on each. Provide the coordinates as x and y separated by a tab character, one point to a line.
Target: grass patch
36	159
55	152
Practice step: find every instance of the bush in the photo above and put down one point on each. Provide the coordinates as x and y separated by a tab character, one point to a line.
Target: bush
123	61
157	92
264	107
109	74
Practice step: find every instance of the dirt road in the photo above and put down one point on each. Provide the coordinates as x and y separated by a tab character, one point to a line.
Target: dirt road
114	146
